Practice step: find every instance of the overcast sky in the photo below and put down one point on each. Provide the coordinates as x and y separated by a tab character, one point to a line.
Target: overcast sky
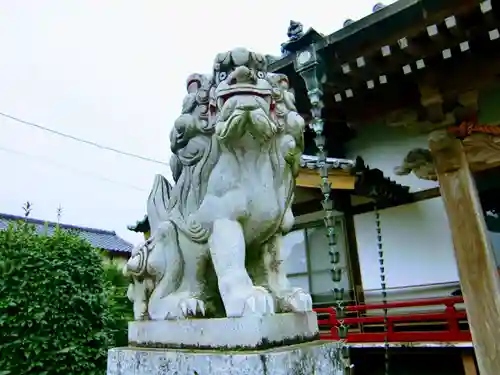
113	72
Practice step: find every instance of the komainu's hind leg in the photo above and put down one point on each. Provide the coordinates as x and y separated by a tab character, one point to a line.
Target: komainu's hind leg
287	297
187	299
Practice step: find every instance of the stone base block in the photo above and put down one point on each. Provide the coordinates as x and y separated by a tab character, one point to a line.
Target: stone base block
250	332
318	358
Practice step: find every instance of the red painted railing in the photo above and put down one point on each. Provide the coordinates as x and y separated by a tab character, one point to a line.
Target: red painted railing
450	318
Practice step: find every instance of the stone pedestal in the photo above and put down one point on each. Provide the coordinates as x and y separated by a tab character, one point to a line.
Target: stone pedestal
249	332
278	344
318	358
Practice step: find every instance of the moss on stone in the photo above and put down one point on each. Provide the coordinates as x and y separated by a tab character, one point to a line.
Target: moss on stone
263	345
214	307
254	263
304	365
302	359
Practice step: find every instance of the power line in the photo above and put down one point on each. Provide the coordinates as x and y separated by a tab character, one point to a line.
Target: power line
77	139
72	169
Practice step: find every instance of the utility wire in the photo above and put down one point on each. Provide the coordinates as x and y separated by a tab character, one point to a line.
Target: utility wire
75	170
69	136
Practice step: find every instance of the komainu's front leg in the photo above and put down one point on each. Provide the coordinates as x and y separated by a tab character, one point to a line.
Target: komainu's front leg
288	298
239	295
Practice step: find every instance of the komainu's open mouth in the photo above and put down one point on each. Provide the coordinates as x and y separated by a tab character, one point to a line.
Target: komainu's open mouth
224	95
260	94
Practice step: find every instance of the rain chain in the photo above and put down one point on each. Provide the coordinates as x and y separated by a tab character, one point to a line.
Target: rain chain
329	219
383	286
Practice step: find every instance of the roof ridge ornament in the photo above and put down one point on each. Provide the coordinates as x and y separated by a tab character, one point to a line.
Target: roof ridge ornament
377	7
298	39
348	22
295	30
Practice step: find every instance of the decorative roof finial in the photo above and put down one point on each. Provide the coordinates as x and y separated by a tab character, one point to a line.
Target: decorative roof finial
377	7
298	39
295	30
348	22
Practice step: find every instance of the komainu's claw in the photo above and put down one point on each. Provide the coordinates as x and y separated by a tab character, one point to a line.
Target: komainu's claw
256	301
296	300
177	306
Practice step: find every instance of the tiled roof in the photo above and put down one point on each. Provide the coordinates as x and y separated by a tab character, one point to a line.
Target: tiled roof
99	238
379	25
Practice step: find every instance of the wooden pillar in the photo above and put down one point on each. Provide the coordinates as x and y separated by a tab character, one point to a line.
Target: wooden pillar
475	259
469	363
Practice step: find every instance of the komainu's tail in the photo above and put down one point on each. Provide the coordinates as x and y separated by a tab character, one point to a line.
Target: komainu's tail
157	206
165	259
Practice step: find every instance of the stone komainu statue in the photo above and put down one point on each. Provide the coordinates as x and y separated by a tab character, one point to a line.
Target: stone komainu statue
215	247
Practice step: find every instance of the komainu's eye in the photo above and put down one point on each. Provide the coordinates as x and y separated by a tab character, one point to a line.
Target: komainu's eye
261	75
222	76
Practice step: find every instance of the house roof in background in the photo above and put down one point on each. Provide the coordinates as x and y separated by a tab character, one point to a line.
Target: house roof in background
99	238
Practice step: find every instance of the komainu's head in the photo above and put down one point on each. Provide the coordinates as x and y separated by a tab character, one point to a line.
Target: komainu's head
241	100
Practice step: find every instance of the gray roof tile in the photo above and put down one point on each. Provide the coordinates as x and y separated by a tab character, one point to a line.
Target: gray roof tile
99	238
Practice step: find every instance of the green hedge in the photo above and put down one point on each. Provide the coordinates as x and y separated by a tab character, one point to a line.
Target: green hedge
121	308
54	310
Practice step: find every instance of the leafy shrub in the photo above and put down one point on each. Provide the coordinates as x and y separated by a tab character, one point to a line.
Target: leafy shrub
121	310
54	313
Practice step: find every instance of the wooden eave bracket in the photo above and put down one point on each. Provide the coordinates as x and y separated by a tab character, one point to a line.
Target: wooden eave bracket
447	147
481	145
432	101
482	152
468	107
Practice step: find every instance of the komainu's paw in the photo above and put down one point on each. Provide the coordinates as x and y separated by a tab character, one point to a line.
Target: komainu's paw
295	300
255	301
176	306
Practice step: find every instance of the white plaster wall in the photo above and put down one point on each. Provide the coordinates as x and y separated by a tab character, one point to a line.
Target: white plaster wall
417	246
495	243
493	225
294	247
418	253
385	147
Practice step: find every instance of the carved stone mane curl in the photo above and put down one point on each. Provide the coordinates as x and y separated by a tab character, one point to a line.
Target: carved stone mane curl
195	153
